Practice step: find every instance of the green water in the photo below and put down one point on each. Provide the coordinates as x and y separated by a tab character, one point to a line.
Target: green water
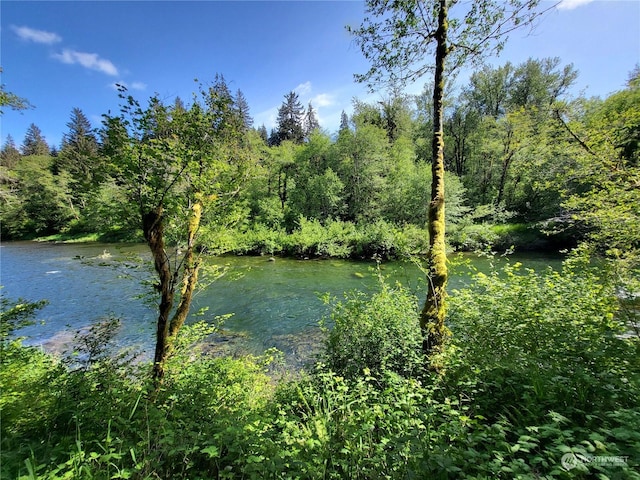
274	303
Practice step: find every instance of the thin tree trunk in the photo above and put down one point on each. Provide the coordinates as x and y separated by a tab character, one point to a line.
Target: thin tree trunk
507	156
167	330
154	235
189	275
433	313
506	163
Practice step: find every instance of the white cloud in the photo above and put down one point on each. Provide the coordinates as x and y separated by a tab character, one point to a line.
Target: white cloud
268	118
571	4
323	100
139	86
303	89
91	61
37	36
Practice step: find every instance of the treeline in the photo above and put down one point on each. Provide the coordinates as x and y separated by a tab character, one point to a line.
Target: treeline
522	158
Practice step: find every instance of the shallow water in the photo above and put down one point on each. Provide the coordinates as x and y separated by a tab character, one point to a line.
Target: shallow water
275	303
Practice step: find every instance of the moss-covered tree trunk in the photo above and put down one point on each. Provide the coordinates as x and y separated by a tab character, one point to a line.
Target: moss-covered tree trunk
153	228
433	313
189	273
168	326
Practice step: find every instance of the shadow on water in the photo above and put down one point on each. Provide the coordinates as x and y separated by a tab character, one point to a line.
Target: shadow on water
274	303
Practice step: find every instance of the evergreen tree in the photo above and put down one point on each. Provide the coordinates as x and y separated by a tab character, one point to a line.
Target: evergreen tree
80	136
179	106
9	155
34	143
273	138
310	122
242	107
344	121
79	153
221	103
262	131
290	120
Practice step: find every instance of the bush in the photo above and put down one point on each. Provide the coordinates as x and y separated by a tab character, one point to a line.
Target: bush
378	333
472	237
555	333
329	427
542	357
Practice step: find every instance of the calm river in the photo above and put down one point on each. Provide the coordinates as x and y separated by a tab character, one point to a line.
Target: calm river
274	303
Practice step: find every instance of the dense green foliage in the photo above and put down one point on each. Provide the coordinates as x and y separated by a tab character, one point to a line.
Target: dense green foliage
378	333
537	370
181	167
518	150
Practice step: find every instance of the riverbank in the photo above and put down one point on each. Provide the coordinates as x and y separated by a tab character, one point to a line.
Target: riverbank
346	240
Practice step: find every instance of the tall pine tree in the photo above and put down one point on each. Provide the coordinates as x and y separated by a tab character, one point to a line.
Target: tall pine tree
242	106
310	122
79	153
34	142
9	155
344	121
262	131
290	120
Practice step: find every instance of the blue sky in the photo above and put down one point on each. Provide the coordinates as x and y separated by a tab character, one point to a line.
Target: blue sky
61	55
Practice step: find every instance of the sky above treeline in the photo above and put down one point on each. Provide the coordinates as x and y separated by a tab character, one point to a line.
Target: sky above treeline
65	55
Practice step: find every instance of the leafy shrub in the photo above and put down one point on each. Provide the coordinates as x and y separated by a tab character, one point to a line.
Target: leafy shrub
260	240
376	239
312	239
541	357
333	428
379	333
472	237
411	240
555	333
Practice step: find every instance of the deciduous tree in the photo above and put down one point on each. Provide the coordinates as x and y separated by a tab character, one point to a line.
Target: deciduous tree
400	39
11	100
607	172
176	164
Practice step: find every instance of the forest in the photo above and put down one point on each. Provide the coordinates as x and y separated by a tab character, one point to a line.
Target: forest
517	166
520	374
